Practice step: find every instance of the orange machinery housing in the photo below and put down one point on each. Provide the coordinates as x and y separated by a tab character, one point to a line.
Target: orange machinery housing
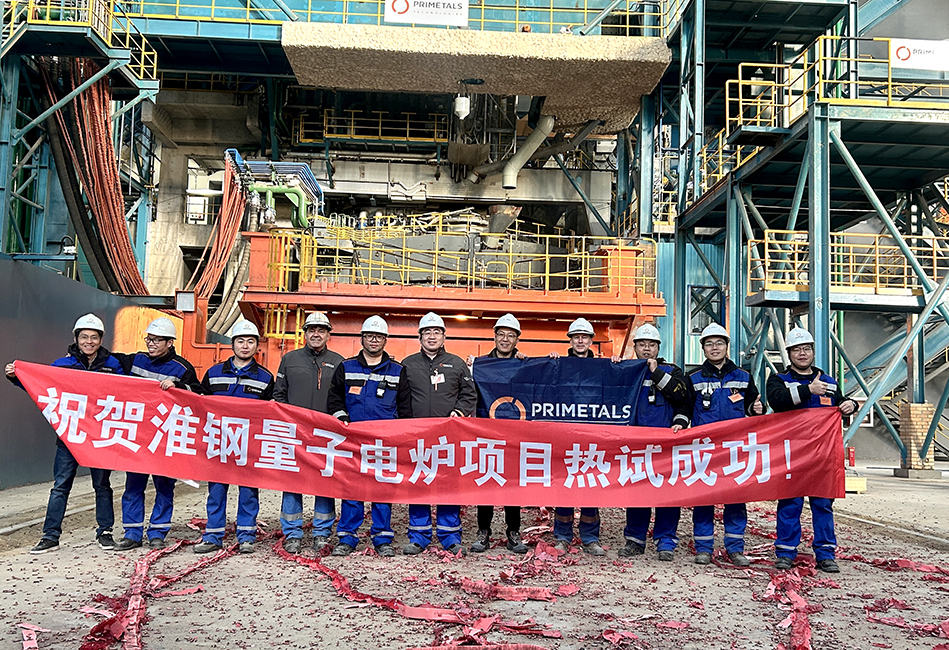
612	284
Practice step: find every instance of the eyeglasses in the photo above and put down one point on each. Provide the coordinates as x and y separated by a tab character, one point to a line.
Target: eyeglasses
154	340
714	344
374	337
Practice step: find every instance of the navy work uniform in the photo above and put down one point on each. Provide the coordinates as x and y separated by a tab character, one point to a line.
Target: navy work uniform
252	381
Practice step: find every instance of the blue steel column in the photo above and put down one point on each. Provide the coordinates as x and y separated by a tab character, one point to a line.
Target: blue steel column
916	358
646	152
680	307
9	88
698	96
623	191
41	168
819	232
734	296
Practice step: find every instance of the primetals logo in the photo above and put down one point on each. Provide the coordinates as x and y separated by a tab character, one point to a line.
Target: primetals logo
903	53
400	6
507	411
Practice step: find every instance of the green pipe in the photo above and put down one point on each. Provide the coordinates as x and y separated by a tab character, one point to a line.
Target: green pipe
937	416
299	218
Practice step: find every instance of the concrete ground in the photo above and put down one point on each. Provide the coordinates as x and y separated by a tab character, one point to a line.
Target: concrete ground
262	600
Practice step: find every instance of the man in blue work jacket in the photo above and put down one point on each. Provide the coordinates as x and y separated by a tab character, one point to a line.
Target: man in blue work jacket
85	353
723	391
665	401
164	365
802	385
369	386
239	376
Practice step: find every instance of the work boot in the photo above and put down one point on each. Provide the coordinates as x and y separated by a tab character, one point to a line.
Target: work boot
320	542
482	542
666	556
246	547
156	542
385	550
783	563
562	545
292	545
594	548
412	549
828	566
703	558
206	547
514	543
342	550
106	542
457	549
739	559
45	545
631	549
126	544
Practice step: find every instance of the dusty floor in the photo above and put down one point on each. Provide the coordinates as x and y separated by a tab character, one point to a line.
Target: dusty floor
265	600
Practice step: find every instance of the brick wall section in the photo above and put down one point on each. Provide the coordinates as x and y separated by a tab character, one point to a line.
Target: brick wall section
914	425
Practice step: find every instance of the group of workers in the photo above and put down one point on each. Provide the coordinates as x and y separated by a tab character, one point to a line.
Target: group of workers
435	383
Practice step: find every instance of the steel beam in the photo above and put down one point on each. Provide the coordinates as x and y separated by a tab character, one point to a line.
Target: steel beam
142	95
733	266
9	92
583	195
821	132
680	306
646	152
934	425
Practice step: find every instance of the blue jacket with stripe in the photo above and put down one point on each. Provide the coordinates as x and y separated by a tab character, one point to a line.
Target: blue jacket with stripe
252	381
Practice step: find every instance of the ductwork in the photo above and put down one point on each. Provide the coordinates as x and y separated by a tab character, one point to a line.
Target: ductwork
509	176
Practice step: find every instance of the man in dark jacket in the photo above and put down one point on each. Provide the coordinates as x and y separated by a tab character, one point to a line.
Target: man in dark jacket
370	386
723	391
160	363
239	376
665	401
507	332
86	353
441	387
802	385
303	379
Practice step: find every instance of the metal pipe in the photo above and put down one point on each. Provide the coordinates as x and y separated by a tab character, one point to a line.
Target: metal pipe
799	190
934	301
142	95
300	219
513	166
597	19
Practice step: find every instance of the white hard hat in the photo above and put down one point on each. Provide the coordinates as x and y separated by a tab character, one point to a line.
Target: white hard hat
244	328
714	330
798	336
89	322
580	326
431	319
317	318
647	333
162	327
375	325
508	321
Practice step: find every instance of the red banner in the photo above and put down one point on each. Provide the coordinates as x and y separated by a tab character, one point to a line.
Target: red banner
130	424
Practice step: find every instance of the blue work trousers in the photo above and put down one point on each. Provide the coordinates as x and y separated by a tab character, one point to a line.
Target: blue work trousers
735	518
64	473
133	506
589	527
447	525
248	505
664	532
789	527
291	516
351	516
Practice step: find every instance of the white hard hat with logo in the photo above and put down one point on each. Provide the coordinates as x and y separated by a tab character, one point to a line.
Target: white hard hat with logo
317	319
244	328
647	333
714	330
580	326
89	322
431	319
798	336
375	325
162	327
508	321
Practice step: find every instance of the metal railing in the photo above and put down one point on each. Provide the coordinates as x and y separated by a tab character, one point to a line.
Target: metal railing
379	127
860	263
105	17
451	258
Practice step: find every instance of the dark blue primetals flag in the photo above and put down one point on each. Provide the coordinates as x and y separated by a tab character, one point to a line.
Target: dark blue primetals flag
567	389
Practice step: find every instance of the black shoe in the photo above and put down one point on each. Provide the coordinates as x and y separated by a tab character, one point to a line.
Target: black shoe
457	549
703	558
412	549
292	545
342	550
105	542
666	556
45	545
828	566
783	563
126	544
385	550
739	559
483	541
246	547
514	543
156	542
206	547
320	542
631	549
